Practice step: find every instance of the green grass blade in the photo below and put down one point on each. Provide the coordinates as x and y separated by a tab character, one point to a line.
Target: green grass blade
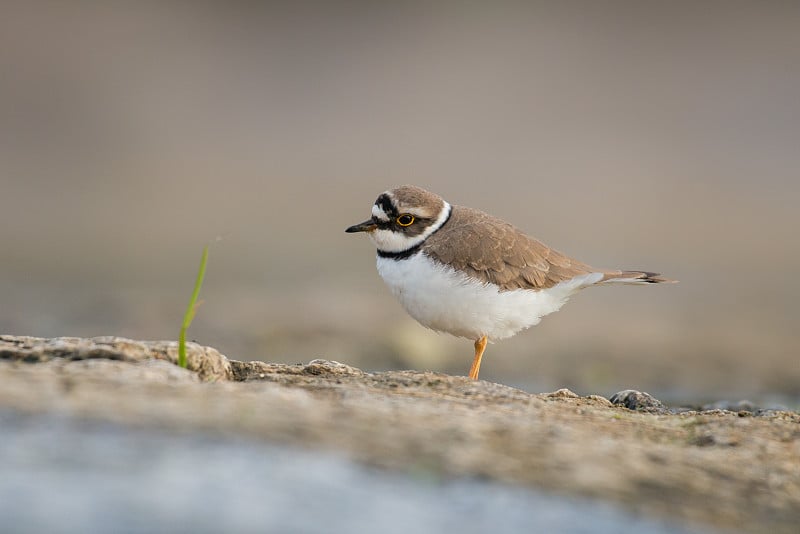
191	309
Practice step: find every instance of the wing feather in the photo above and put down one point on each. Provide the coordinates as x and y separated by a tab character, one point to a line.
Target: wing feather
491	250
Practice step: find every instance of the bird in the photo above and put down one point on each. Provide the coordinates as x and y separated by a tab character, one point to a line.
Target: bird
467	273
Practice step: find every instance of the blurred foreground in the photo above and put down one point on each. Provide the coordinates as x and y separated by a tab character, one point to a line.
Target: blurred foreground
110	478
734	470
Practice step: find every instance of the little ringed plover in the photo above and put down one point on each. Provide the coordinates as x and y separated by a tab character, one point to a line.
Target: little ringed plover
461	271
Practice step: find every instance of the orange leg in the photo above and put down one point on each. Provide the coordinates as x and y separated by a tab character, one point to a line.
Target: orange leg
480	346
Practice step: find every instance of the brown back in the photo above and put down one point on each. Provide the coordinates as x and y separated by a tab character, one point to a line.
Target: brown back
492	250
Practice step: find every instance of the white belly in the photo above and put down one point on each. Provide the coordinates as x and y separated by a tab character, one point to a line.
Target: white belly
446	301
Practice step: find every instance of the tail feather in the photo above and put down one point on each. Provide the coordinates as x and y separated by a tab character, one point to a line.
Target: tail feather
634	277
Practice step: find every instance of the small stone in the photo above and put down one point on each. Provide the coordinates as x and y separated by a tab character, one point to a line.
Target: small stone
330	367
638	401
563	393
599	399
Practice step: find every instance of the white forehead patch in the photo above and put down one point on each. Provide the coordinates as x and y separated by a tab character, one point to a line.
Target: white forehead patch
378	213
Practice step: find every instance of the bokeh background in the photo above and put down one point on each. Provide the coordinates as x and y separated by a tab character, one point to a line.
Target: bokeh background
654	135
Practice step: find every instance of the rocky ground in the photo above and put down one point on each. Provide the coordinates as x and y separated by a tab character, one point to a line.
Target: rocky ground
735	470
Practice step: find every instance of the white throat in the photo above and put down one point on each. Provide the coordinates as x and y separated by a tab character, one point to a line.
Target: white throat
389	241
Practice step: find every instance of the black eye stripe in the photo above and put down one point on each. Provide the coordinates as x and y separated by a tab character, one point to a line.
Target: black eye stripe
385	203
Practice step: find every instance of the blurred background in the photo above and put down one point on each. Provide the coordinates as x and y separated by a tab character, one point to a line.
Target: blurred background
660	136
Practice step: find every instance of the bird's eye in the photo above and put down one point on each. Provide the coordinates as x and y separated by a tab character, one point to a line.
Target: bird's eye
405	219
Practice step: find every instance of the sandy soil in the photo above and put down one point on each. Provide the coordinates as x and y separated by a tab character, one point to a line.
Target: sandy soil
717	468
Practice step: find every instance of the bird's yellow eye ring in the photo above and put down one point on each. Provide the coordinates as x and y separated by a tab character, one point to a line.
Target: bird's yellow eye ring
405	219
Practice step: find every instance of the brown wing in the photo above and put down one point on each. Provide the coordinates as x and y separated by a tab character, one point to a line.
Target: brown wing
491	250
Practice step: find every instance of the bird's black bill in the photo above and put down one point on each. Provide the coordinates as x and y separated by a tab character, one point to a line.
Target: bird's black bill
365	226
